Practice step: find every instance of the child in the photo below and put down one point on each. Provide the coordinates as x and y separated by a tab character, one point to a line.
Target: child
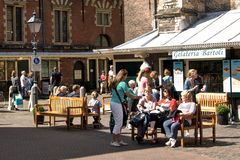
94	105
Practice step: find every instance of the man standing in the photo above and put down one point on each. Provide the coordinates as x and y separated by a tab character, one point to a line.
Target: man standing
110	78
55	79
24	82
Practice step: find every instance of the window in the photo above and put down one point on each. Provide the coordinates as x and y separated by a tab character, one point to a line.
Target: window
103	18
102	41
2	70
10	68
14	23
47	67
211	72
61	26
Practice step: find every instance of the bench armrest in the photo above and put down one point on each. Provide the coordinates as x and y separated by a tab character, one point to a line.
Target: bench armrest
188	116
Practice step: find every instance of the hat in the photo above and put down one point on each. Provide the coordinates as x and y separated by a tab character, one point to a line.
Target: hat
144	66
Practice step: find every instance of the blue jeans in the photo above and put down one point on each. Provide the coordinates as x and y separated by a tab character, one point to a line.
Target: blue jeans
171	128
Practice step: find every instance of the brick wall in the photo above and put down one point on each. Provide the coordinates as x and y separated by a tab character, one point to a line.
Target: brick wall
138	17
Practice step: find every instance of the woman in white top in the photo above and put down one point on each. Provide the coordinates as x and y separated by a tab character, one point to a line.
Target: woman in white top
187	107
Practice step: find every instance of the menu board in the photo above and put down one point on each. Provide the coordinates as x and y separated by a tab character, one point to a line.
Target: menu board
235	68
226	76
178	75
231	75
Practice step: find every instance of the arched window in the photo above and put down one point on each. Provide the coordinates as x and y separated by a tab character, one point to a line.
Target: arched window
102	41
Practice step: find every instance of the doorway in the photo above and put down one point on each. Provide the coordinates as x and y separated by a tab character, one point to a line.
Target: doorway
92	73
78	72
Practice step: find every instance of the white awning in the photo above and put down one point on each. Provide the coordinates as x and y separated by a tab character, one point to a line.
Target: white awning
215	30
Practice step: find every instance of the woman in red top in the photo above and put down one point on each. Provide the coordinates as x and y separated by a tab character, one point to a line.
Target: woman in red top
164	106
103	84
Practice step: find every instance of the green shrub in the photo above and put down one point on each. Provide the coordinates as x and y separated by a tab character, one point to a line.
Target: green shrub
222	110
41	109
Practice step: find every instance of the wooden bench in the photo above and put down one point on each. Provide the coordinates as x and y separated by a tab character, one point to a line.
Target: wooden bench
210	101
94	114
68	107
195	125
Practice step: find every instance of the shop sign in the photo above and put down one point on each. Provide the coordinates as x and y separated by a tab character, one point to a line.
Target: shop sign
36	63
197	54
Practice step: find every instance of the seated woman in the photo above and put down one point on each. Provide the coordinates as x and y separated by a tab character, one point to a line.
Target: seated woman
187	107
158	116
62	91
146	104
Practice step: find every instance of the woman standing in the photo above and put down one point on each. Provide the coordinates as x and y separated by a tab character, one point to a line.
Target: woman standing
119	89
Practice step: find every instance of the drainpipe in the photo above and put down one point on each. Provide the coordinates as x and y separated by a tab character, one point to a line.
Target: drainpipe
155	12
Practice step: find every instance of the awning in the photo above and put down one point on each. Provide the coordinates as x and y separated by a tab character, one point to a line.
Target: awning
215	30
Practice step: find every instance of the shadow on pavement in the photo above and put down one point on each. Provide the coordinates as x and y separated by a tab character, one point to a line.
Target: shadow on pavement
57	143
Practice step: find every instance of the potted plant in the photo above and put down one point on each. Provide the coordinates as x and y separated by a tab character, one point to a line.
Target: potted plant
222	114
40	118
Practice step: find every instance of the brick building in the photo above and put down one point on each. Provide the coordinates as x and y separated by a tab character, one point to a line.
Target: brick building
70	30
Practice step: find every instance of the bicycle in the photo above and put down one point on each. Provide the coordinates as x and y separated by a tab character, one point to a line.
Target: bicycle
3	102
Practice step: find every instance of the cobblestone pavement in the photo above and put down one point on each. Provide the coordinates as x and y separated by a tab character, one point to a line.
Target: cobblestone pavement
21	140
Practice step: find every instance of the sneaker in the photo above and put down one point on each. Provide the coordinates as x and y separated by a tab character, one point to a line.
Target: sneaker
129	126
173	142
186	134
115	144
123	143
168	143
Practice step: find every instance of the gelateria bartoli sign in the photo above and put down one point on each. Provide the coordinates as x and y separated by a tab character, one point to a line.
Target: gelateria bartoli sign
197	54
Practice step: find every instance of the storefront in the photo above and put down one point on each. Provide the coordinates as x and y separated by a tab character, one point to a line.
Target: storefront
208	63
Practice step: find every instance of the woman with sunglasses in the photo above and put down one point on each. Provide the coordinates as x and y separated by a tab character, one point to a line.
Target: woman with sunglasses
163	108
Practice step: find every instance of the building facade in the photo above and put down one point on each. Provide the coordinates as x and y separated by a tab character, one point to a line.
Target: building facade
197	34
70	30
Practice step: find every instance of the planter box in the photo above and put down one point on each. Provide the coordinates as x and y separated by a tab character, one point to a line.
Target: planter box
223	119
40	119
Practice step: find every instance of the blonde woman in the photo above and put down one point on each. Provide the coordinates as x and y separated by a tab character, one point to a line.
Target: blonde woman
187	107
120	88
190	84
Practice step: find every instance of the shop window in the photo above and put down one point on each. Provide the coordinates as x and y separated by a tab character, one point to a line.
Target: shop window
61	26
2	70
10	68
103	18
47	67
14	23
211	72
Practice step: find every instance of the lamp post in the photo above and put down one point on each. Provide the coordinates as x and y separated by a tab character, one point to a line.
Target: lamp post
34	24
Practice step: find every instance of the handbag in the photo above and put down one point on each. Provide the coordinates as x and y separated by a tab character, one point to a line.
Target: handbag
137	119
18	101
